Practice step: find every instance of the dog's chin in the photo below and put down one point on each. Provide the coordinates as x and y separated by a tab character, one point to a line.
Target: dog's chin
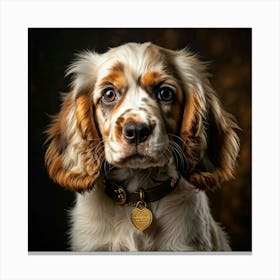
140	161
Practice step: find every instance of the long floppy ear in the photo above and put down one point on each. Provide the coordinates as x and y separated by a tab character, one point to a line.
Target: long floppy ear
210	144
73	157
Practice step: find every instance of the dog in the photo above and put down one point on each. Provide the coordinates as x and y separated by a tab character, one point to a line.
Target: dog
140	137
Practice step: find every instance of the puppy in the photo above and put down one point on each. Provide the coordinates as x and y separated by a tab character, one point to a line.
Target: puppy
139	138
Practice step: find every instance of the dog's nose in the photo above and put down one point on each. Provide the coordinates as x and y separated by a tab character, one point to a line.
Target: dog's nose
136	133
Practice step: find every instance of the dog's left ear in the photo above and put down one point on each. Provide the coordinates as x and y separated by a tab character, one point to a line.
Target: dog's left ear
211	145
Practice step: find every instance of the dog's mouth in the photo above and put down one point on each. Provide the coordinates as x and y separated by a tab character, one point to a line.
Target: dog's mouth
141	156
139	161
136	158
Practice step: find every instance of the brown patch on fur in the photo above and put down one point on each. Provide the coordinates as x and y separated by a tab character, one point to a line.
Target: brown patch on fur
118	128
134	119
150	79
84	117
73	177
152	124
119	67
191	122
116	78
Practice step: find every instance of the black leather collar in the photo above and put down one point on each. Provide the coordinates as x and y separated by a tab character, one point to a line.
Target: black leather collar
121	196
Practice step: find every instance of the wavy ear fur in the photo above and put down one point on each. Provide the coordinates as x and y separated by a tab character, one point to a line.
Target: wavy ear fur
211	145
73	157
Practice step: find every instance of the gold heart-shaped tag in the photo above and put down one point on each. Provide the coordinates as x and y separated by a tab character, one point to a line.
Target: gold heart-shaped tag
141	218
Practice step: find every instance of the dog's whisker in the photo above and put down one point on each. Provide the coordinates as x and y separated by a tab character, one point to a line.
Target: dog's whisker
179	155
107	167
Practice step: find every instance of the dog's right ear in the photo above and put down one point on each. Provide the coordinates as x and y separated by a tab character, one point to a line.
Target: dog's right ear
73	157
208	132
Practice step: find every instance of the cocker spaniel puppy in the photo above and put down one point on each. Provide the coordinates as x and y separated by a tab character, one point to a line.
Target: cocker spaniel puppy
139	138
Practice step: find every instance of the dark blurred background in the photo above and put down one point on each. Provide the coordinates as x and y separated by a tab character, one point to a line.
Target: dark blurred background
50	51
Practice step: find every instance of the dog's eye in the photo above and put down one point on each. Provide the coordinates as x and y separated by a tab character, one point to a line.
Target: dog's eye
109	95
165	94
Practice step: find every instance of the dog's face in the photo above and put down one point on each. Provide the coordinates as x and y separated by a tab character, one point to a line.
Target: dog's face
138	106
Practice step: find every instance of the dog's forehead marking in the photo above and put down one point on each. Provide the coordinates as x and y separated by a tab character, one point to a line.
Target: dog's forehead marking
136	59
115	77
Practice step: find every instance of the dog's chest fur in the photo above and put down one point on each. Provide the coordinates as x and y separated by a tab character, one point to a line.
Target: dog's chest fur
181	222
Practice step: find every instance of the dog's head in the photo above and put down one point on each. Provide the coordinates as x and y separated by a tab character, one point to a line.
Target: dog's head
138	106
